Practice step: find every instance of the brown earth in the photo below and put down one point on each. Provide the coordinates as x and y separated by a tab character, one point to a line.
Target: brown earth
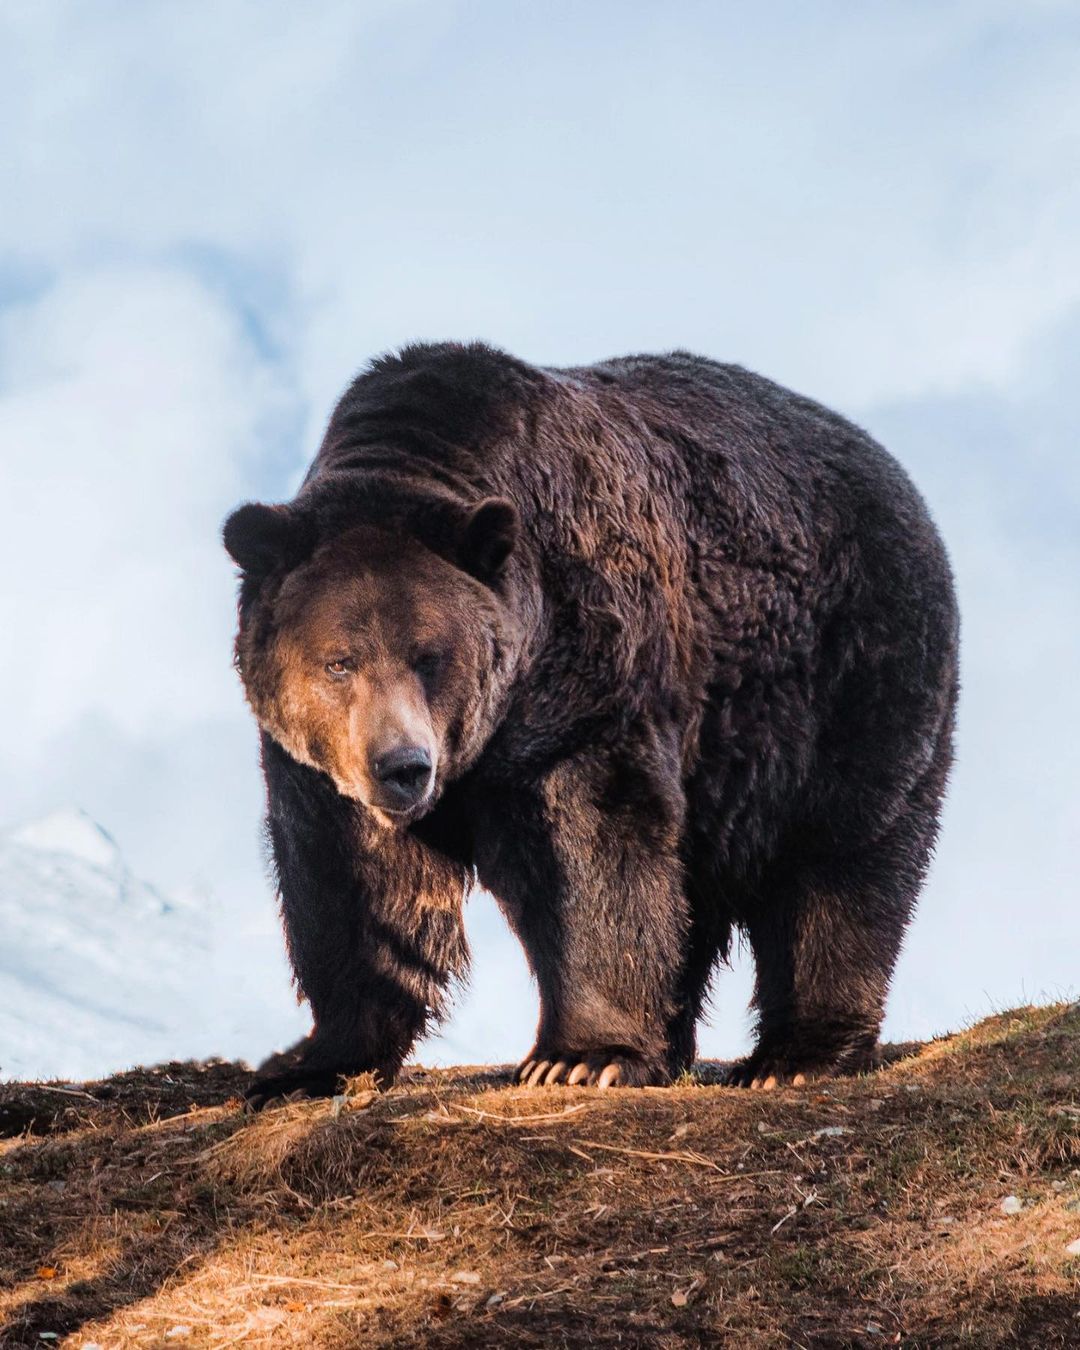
147	1210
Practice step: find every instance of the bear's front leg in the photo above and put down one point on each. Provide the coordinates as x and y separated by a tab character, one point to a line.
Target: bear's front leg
585	865
373	924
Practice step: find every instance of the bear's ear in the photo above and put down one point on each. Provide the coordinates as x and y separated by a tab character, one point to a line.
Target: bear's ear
261	538
488	538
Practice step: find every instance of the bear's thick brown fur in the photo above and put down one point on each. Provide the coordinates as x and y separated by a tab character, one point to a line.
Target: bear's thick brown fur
652	649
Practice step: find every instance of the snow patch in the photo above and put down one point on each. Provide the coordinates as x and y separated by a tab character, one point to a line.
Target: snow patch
100	970
73	833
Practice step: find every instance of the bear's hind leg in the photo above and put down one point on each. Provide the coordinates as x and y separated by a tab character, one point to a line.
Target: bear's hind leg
825	933
824	960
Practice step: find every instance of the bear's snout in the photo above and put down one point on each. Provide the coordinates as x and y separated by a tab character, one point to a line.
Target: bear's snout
402	777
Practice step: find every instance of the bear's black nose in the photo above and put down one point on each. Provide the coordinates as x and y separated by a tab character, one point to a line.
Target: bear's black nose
403	775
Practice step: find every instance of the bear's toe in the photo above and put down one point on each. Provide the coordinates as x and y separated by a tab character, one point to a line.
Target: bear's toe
599	1069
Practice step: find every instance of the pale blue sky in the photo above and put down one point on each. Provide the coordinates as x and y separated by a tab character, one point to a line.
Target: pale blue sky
211	215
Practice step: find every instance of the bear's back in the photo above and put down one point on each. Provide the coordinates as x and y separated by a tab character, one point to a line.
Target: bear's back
742	461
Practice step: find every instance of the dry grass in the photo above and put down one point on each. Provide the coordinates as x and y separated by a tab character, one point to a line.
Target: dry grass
457	1211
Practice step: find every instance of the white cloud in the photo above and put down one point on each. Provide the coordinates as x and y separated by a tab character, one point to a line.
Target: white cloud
134	411
998	922
867	205
133	407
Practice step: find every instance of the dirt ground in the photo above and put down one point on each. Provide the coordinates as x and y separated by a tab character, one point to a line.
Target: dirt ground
147	1210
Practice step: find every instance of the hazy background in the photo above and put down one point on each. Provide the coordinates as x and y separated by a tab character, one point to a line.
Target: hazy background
212	215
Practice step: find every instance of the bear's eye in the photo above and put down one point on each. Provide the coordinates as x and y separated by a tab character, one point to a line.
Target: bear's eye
428	664
344	665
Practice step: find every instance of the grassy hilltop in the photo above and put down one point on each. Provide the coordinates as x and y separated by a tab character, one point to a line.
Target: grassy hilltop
148	1211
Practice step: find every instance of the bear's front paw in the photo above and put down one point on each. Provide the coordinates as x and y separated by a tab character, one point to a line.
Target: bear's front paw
602	1068
297	1084
771	1069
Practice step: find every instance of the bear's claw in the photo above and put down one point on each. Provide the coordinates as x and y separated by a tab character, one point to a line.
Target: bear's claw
764	1079
603	1069
543	1073
762	1074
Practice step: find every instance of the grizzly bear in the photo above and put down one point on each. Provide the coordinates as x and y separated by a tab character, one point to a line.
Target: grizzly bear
655	651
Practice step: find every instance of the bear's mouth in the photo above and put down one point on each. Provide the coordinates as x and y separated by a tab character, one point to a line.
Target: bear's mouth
400	818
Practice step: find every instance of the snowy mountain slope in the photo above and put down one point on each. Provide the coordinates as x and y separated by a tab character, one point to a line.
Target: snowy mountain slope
99	970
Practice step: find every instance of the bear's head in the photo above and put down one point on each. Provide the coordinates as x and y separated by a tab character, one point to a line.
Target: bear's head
372	656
